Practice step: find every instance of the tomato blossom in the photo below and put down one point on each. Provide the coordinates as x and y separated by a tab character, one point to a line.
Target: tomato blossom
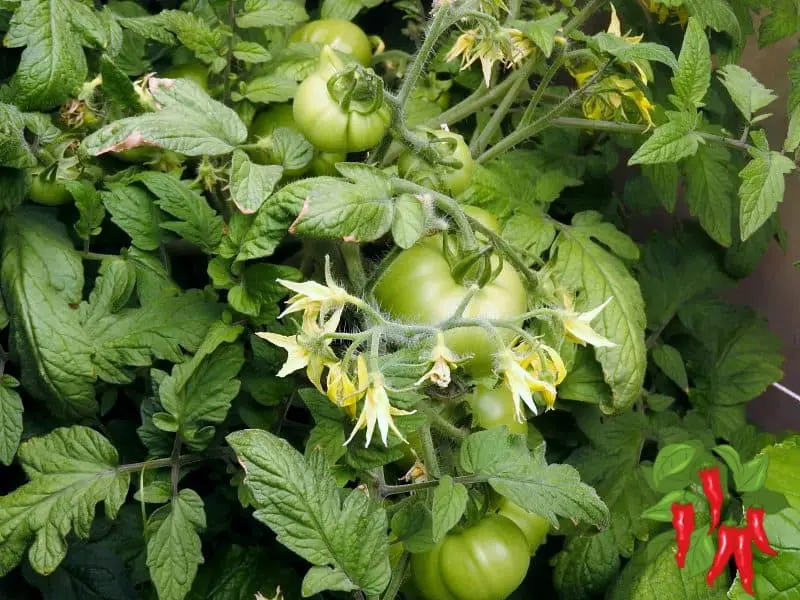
315	299
544	364
377	410
522	381
578	325
443	360
340	388
663	12
307	349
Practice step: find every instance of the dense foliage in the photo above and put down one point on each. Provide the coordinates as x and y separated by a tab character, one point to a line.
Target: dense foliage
342	299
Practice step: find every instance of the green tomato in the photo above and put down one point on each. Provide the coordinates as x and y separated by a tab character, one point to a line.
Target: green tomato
193	71
324	163
449	180
48	191
340	35
534	527
495	407
419	287
487	561
351	124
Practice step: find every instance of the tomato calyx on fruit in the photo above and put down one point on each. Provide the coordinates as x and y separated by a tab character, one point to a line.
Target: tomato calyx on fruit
441	160
356	89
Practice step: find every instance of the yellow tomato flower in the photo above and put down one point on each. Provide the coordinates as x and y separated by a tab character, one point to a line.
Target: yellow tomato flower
443	360
341	390
578	325
545	365
377	409
663	12
313	298
522	382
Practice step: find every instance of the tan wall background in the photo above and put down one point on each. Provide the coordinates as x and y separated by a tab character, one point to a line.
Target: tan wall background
774	288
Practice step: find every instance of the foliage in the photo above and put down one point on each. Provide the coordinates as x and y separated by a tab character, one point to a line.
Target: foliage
196	333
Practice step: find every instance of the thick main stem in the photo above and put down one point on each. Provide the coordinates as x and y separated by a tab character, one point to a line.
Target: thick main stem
437	26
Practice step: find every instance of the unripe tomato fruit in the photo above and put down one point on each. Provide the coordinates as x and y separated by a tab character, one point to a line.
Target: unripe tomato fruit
330	126
340	35
282	115
487	561
419	287
534	527
449	180
495	407
48	192
194	71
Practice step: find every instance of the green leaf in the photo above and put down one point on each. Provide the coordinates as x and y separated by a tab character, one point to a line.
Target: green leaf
792	141
250	52
449	504
345	9
737	358
783	21
291	149
611	463
669	360
272	87
673	460
188	122
710	191
628	52
41	275
152	280
271	13
90	207
413	526
669	143
299	499
354	212
15	184
199	223
753	475
783	529
585	381
747	93
118	87
207	43
530	232
328	435
653	574
782	474
70	470
257	292
201	390
251	184
10	423
273	219
776	578
762	189
718	15
527	480
52	66
579	263
693	76
88	572
14	149
409	221
542	32
238	573
134	211
663	178
173	545
701	553
586	566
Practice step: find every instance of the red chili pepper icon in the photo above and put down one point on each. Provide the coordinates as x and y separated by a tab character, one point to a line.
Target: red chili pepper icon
712	486
683	522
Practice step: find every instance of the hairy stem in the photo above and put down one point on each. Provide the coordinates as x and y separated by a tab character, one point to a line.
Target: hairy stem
441	424
186	459
508	251
393	490
399	573
231	40
351	253
586	12
429	452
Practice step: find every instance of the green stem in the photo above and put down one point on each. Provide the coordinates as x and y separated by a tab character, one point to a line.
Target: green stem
479	143
443	203
97	256
587	11
475	101
441	424
634	129
415	68
231	41
187	459
507	251
351	253
551	72
393	490
176	458
523	133
376	275
429	452
398	577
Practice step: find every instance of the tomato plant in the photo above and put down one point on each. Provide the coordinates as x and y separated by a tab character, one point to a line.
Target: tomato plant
486	561
317	313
